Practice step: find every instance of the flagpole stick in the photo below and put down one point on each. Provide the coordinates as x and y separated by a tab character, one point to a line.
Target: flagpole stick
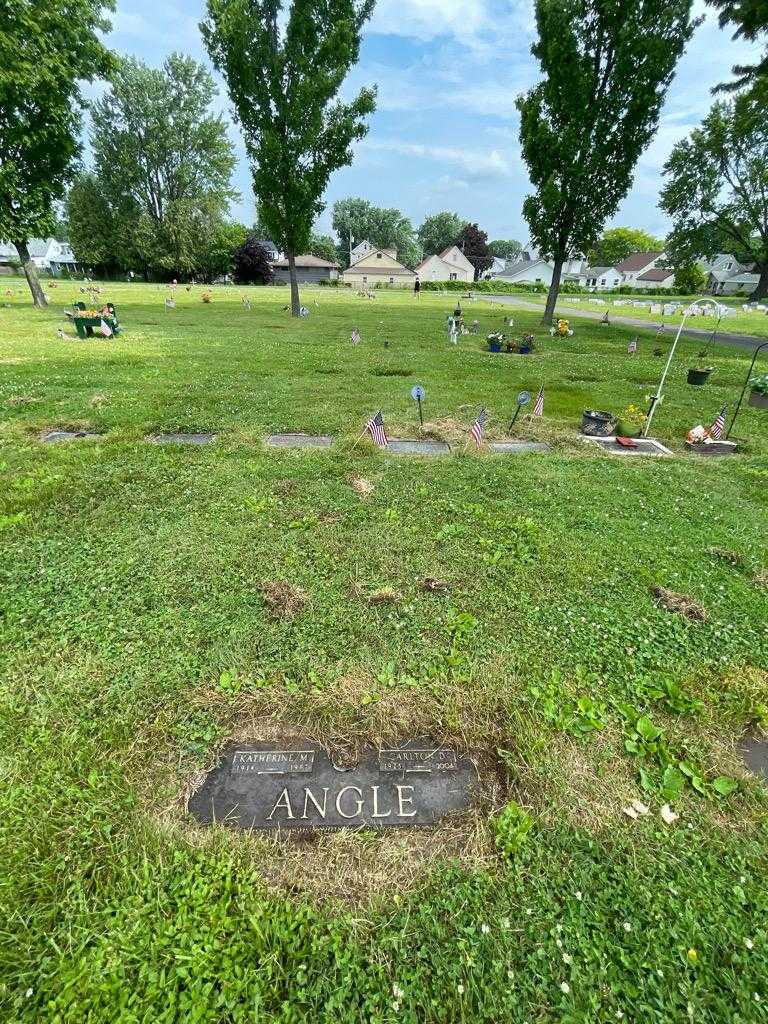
517	413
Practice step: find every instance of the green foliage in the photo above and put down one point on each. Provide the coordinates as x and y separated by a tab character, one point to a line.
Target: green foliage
750	17
384	228
91	224
439	232
616	244
251	263
690	279
324	247
46	51
163	164
284	83
713	177
511	827
606	69
508	249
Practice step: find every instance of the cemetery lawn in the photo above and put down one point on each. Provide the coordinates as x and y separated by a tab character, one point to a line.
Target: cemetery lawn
135	638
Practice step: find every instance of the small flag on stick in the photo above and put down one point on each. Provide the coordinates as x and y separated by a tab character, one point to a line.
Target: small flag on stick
375	427
538	406
717	428
105	329
476	431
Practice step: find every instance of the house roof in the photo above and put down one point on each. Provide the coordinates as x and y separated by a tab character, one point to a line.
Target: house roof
745	278
656	274
637	261
307	260
519	267
597	271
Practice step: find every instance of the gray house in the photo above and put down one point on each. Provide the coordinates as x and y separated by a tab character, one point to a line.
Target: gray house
309	270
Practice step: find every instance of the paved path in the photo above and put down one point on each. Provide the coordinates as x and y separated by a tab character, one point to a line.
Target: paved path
747	341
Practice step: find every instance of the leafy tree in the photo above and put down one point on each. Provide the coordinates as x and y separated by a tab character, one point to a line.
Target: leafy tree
386	228
163	162
439	232
284	83
717	185
474	244
606	68
91	224
690	279
251	263
324	247
218	252
616	244
46	51
751	20
507	249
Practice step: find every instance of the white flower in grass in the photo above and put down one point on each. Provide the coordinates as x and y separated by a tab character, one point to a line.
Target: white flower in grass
620	1014
397	992
485	928
756	996
627	926
29	992
749	943
559	943
460	989
395	1006
565	988
529	912
567	959
505	922
578	896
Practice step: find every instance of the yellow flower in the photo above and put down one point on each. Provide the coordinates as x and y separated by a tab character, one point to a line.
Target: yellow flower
693	956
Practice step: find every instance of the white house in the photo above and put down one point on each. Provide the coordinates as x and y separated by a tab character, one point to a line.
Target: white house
601	278
527	271
45	253
379	266
638	263
363	248
726	276
656	277
450	265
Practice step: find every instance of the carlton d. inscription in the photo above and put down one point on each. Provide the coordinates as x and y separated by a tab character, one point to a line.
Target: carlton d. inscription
262	786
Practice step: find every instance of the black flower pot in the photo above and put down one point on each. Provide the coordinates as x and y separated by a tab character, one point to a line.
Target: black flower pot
758	400
698	377
597	424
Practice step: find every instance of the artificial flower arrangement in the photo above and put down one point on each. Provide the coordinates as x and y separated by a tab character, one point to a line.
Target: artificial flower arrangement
206	296
631	421
561	329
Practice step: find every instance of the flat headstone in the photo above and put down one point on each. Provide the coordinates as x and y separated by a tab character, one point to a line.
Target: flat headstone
754	750
403	446
294	786
711	448
182	438
54	436
517	447
300	440
645	446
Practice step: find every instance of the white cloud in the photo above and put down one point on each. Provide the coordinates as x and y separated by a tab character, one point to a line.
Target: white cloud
430	19
472	161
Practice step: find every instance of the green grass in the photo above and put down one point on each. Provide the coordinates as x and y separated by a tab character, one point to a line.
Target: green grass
754	323
134	638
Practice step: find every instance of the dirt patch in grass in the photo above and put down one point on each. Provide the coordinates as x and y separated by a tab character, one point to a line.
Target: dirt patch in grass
680	603
760	579
16	400
726	555
361	486
390	371
283	599
387	595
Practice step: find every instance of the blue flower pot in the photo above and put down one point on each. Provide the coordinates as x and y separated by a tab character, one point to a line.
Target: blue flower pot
494	346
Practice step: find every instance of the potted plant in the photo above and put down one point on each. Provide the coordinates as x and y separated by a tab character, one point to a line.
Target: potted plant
495	340
527	344
631	421
700	374
758	396
597	424
511	345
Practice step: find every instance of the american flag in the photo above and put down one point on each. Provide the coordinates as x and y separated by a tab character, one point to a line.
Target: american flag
375	427
477	428
717	428
538	405
105	329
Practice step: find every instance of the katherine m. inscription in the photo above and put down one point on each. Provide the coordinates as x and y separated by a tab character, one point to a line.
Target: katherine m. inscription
261	786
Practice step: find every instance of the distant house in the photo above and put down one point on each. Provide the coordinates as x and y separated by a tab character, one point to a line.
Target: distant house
743	283
46	253
450	265
527	271
361	249
656	277
601	278
309	270
638	263
379	266
726	276
498	266
270	248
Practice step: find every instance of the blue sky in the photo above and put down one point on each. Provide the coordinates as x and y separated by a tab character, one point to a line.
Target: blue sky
444	136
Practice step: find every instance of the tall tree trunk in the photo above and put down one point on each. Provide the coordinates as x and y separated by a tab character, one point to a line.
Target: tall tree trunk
295	303
30	272
554	291
761	289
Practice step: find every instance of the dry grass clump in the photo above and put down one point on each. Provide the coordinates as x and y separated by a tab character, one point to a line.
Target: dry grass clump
361	486
387	595
432	586
760	579
726	555
680	603
15	400
283	599
98	400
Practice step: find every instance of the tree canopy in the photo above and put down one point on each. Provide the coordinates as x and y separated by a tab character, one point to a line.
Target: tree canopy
750	18
505	249
46	51
284	80
162	170
439	232
385	228
251	262
606	67
474	244
616	244
717	185
324	247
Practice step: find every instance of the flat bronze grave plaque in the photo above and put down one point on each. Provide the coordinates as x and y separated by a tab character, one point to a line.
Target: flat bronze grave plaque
182	438
754	750
299	440
403	446
517	447
296	787
56	436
